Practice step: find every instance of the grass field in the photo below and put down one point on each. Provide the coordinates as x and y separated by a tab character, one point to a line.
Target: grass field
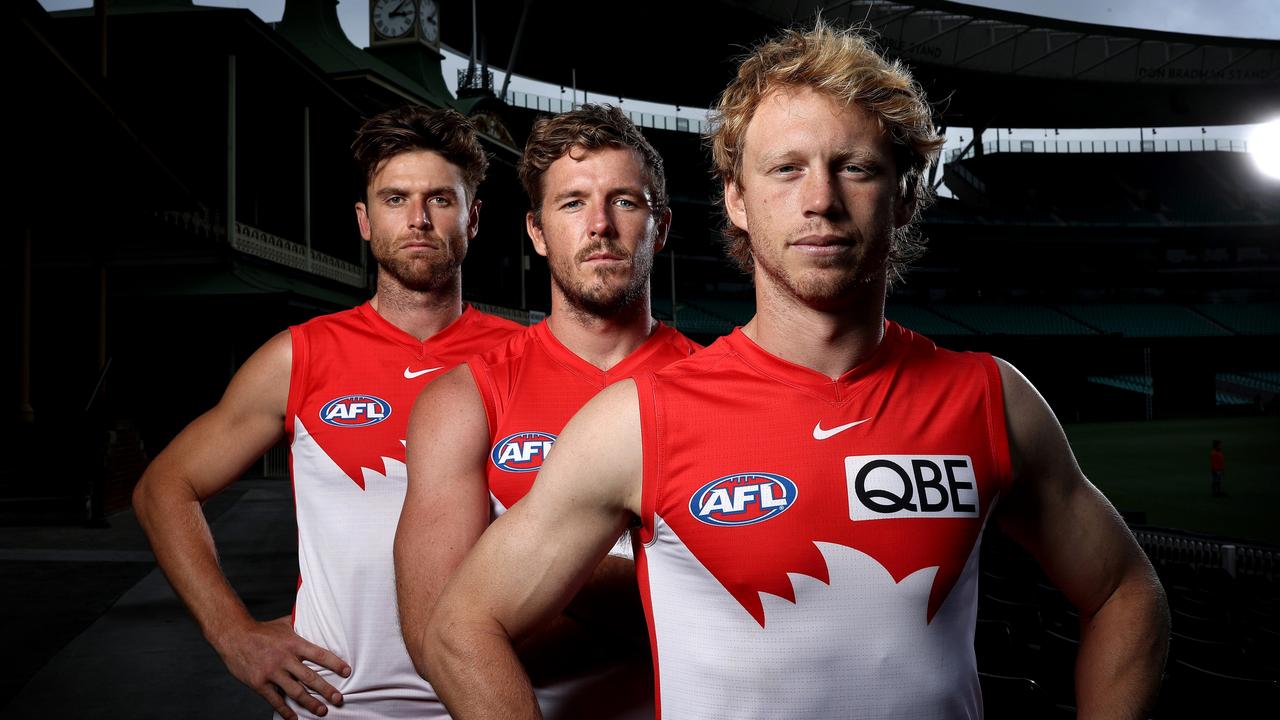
1162	468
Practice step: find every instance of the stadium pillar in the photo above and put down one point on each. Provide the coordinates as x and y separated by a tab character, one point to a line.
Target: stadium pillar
26	414
977	141
933	169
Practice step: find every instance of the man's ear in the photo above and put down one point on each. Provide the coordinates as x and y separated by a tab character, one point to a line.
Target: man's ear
904	209
734	205
660	233
473	219
535	233
362	219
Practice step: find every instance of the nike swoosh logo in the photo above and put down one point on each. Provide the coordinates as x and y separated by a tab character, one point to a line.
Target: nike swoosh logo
820	434
411	375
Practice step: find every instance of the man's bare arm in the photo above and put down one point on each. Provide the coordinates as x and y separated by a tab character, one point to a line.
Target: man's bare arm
530	562
206	457
446	506
1088	552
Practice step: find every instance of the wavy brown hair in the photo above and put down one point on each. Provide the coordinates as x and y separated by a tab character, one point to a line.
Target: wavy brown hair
843	64
589	127
413	127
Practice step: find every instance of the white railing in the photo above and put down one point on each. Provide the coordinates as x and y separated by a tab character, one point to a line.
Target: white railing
1235	559
276	249
1104	146
641	119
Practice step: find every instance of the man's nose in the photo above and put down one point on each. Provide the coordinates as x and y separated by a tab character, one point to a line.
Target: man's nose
601	222
822	194
419	214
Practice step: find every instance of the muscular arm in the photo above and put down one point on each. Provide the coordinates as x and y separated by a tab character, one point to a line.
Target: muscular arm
1089	553
446	506
534	558
206	457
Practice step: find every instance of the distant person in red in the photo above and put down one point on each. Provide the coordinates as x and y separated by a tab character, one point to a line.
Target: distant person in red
1217	468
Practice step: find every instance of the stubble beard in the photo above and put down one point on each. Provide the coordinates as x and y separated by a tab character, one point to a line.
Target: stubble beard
834	280
597	296
424	273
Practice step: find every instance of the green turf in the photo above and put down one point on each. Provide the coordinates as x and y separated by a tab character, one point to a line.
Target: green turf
1162	468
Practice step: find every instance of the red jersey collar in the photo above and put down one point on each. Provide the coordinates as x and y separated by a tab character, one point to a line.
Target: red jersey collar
626	368
812	381
385	328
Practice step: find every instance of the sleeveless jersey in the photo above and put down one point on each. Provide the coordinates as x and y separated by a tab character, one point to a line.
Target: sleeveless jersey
352	384
531	385
810	546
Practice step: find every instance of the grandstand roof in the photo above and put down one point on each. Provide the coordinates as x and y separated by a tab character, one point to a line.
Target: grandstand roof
983	67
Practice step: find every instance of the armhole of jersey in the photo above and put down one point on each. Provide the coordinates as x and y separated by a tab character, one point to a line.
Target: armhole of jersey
997	428
297	378
488	389
650	439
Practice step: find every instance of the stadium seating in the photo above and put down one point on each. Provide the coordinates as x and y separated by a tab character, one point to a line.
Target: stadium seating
1010	319
1225	649
1134	383
923	321
1244	318
1144	319
1009	697
1165	188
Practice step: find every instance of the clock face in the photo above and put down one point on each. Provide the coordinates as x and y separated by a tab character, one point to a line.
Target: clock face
393	18
429	21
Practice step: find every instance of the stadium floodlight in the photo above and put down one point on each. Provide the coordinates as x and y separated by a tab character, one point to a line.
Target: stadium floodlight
1264	146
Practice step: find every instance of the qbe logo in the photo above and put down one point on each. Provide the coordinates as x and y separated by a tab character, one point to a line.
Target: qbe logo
523	451
742	499
355	411
898	486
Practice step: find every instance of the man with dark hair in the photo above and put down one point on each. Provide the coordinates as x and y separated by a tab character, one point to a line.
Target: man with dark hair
598	213
339	387
811	490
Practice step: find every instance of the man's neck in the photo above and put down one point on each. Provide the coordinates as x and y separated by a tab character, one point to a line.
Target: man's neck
419	313
602	341
830	341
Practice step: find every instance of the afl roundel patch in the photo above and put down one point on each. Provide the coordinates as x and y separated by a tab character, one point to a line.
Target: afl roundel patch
523	451
355	411
742	499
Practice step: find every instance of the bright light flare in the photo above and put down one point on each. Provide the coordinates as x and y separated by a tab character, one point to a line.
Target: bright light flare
1264	146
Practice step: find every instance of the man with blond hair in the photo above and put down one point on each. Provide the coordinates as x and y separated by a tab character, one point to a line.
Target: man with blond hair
598	212
811	490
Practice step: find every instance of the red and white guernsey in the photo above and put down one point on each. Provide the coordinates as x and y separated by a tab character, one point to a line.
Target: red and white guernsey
531	385
810	546
353	382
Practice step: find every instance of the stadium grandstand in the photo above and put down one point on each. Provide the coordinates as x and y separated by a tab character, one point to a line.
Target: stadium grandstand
1135	282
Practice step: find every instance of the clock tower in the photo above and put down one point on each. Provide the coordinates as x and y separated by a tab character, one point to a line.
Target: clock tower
403	22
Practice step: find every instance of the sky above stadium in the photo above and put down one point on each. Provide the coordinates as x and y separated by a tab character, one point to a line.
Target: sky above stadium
1238	18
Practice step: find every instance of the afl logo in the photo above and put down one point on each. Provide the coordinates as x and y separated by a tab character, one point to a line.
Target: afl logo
355	411
743	499
523	451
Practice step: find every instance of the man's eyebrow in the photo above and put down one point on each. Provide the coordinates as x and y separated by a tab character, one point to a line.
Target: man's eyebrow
429	192
568	195
631	190
861	154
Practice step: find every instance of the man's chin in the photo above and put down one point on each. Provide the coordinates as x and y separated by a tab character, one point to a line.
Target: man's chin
423	279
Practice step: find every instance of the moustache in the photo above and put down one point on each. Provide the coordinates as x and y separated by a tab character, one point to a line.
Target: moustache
604	246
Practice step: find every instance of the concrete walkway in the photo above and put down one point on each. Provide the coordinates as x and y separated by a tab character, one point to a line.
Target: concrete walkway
81	653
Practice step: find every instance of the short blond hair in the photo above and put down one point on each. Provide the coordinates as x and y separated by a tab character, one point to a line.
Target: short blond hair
842	64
